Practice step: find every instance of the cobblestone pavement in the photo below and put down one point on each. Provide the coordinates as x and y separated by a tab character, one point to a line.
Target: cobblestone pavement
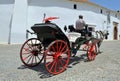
106	66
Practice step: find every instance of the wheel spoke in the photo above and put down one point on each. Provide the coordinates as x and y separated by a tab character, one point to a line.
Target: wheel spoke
26	53
49	63
57	46
38	57
29	59
63	60
31	42
27	49
90	54
60	61
53	48
36	47
58	65
60	47
55	66
92	48
29	46
63	48
33	45
50	53
32	60
35	41
65	51
52	65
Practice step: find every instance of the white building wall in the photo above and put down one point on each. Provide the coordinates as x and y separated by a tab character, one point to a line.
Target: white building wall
28	12
67	14
6	11
64	9
19	21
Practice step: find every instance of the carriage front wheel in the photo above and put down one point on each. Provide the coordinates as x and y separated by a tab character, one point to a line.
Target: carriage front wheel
31	52
91	51
57	57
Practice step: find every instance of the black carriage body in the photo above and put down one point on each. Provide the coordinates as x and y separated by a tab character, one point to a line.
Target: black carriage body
49	32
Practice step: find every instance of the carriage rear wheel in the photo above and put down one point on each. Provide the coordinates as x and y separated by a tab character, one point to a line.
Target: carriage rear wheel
91	52
31	52
57	57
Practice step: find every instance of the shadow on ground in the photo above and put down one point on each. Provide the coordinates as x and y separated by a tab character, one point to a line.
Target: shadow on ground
43	73
40	69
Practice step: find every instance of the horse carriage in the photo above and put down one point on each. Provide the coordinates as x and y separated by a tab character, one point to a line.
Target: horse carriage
54	47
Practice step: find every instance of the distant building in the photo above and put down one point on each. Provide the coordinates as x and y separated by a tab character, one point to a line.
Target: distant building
16	16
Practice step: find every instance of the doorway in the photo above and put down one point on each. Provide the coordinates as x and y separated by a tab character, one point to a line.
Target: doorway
115	31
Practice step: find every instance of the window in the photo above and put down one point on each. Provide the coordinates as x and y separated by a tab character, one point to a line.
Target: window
101	11
75	6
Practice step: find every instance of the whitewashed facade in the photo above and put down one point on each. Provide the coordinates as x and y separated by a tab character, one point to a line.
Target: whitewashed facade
19	15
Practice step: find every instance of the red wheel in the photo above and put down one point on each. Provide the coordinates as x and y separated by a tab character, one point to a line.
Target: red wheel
30	52
57	57
91	52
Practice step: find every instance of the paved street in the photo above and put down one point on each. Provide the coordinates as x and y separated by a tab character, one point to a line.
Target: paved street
106	66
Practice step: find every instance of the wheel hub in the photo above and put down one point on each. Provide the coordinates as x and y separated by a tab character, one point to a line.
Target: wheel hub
57	55
35	52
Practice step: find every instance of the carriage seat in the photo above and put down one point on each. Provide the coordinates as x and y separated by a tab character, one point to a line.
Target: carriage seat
83	32
48	32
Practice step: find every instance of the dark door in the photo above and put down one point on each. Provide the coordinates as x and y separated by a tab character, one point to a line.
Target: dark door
115	33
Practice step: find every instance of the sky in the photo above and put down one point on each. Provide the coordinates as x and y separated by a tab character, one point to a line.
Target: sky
110	4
